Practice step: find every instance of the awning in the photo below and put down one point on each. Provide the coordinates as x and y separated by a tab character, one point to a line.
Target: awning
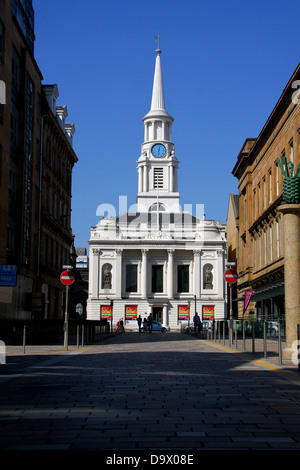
265	292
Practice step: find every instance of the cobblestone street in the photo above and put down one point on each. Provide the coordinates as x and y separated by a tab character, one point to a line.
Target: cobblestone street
147	392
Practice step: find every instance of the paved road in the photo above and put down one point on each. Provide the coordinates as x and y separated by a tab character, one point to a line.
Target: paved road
147	391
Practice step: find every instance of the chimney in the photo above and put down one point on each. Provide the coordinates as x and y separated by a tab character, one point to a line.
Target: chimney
70	131
62	113
51	92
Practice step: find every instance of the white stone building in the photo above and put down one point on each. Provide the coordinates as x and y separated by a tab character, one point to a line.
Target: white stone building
159	259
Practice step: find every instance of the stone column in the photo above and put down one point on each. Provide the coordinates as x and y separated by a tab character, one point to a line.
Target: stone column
197	277
170	274
144	273
95	273
118	279
140	172
291	246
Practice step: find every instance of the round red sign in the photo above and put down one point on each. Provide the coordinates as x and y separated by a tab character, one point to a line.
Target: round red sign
230	276
67	278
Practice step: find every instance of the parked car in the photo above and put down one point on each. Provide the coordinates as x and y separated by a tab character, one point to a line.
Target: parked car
207	324
132	325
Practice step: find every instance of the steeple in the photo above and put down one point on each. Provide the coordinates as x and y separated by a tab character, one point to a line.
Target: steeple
158	100
158	165
158	108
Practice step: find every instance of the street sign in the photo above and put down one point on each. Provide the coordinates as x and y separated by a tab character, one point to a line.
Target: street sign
8	275
230	276
67	278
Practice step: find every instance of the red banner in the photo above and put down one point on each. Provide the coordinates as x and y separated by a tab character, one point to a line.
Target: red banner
183	312
208	312
248	295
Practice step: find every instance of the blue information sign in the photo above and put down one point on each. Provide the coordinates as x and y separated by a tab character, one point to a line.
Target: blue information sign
8	275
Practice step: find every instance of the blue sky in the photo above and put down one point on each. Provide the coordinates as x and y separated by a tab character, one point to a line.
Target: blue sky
225	65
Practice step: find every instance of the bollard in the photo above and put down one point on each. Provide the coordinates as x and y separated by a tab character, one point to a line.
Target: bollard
224	332
298	345
244	337
235	335
265	339
82	335
24	338
253	337
77	336
279	344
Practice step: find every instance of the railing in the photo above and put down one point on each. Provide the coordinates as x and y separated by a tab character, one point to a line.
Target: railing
268	336
52	332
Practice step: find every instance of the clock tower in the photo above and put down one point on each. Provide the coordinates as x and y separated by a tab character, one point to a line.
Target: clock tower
158	165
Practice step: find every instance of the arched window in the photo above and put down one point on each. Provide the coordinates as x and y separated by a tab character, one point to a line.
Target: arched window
161	207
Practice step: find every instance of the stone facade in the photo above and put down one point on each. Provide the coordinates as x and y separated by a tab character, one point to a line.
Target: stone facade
260	188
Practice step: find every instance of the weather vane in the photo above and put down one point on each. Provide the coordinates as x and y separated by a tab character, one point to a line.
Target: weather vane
157	38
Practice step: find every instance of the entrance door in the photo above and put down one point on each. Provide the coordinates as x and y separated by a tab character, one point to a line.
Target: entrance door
158	314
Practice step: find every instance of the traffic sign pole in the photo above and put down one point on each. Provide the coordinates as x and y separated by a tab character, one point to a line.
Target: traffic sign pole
231	278
67	278
66	319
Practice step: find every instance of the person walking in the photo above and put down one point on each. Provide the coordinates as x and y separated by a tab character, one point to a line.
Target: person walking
150	324
139	320
145	324
197	322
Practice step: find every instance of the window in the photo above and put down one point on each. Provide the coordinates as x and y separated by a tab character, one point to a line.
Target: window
291	151
0	164
270	186
131	278
158	178
15	73
157	278
183	277
1	41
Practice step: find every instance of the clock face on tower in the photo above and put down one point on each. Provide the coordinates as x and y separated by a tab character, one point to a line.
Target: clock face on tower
158	150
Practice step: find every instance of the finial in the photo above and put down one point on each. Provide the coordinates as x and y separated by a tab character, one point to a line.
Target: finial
157	39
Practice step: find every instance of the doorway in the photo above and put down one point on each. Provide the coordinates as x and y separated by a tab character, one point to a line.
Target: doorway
158	314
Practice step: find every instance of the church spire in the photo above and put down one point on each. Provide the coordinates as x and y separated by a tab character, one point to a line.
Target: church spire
158	100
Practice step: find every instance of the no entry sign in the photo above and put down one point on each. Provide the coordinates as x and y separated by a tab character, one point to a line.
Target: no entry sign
67	278
230	276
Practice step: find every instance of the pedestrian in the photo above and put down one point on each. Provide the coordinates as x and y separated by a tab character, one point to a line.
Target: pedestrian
122	325
139	320
149	321
145	324
197	322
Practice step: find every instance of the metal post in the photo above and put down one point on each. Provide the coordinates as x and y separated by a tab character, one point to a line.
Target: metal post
265	339
223	331
24	338
82	335
253	337
279	344
231	315
235	334
77	336
66	319
298	345
244	338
